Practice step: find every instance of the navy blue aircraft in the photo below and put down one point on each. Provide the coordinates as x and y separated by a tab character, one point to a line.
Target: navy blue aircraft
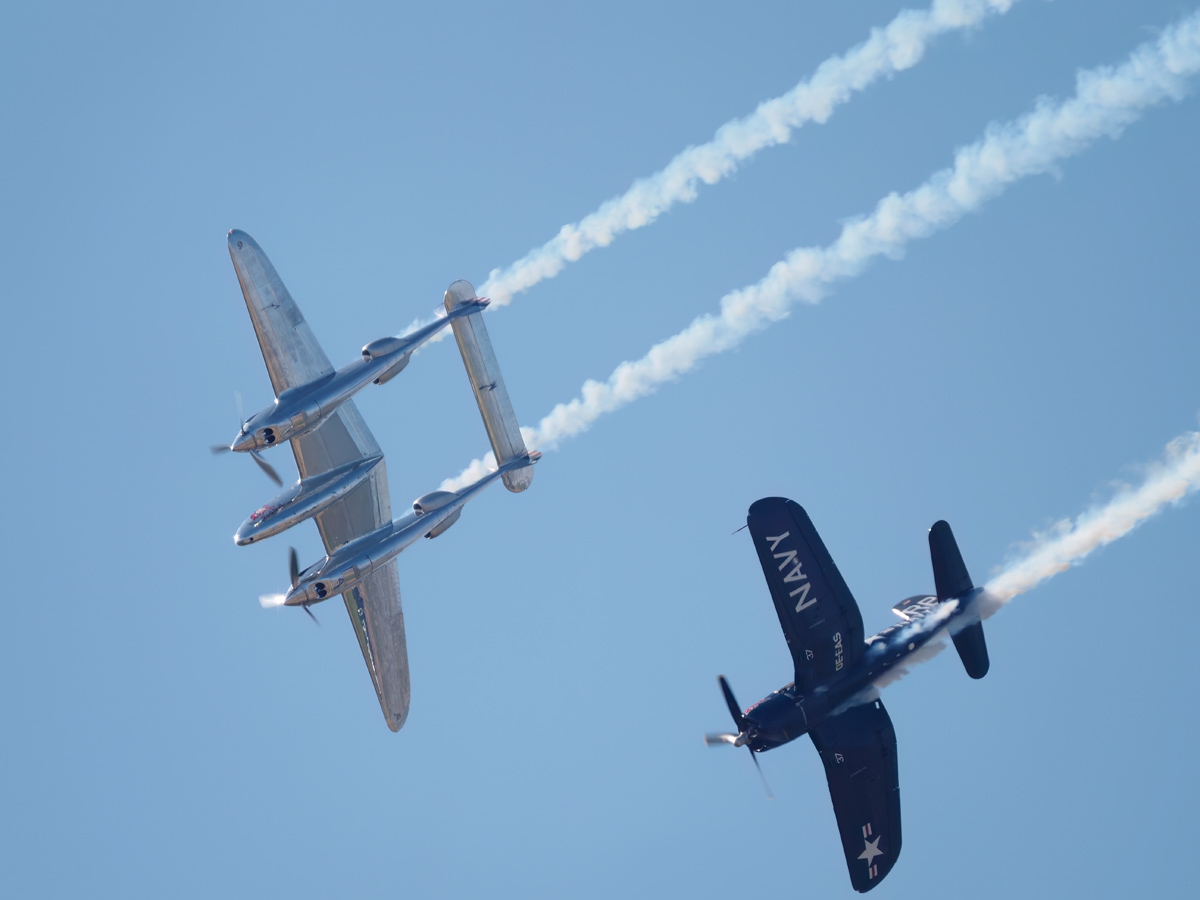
834	699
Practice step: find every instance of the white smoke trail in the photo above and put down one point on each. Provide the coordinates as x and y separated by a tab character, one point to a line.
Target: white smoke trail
897	46
1068	542
1106	100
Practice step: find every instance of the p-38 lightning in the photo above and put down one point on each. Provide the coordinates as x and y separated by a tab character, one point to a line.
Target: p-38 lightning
343	478
833	698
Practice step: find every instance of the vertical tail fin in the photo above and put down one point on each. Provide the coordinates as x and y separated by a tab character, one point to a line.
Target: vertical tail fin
952	580
494	406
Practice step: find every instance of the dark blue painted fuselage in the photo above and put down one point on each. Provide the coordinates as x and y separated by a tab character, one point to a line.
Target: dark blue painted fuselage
787	714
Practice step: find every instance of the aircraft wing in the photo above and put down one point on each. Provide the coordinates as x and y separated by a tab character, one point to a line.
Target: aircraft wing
374	606
820	619
294	357
858	749
289	349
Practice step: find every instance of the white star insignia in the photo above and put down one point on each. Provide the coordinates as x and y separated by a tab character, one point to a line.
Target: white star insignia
870	850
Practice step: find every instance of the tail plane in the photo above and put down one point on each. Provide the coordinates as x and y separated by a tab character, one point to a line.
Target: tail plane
952	581
488	387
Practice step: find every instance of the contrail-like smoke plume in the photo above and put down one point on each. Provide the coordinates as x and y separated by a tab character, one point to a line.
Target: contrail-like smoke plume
897	46
1069	542
1106	100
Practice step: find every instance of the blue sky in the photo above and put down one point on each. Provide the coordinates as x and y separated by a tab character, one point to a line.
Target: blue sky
167	736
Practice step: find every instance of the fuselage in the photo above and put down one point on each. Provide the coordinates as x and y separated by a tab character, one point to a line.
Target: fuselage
789	713
304	500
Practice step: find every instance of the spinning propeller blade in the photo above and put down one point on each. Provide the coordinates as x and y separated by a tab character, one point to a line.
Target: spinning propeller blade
766	787
268	600
734	710
713	740
742	738
267	468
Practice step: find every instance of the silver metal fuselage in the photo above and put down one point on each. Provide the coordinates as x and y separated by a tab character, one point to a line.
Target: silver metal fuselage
351	563
304	499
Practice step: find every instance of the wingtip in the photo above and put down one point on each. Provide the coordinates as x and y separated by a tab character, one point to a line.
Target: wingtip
238	238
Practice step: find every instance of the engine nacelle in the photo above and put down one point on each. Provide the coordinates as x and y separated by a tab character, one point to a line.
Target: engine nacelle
431	501
394	370
427	503
382	347
445	525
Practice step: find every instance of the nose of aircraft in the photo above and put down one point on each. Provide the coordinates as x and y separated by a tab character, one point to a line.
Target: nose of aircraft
243	443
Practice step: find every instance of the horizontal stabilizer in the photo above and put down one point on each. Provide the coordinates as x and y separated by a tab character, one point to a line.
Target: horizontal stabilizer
972	650
949	571
950	576
488	387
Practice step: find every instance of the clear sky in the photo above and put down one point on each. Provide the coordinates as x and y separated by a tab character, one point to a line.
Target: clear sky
165	736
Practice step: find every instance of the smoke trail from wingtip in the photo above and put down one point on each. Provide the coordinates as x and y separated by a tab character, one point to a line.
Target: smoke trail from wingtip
897	46
1107	99
1069	542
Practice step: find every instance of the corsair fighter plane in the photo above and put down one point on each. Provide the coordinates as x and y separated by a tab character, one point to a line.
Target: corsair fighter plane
343	483
833	698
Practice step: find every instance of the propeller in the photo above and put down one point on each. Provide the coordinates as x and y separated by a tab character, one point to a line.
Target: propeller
742	738
270	600
766	787
267	468
293	566
734	710
713	739
294	572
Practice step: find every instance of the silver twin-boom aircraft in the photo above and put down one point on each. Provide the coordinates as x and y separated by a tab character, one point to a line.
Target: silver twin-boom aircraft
343	484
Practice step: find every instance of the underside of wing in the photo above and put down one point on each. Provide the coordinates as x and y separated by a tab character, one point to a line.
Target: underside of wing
289	349
343	438
374	606
818	614
858	749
